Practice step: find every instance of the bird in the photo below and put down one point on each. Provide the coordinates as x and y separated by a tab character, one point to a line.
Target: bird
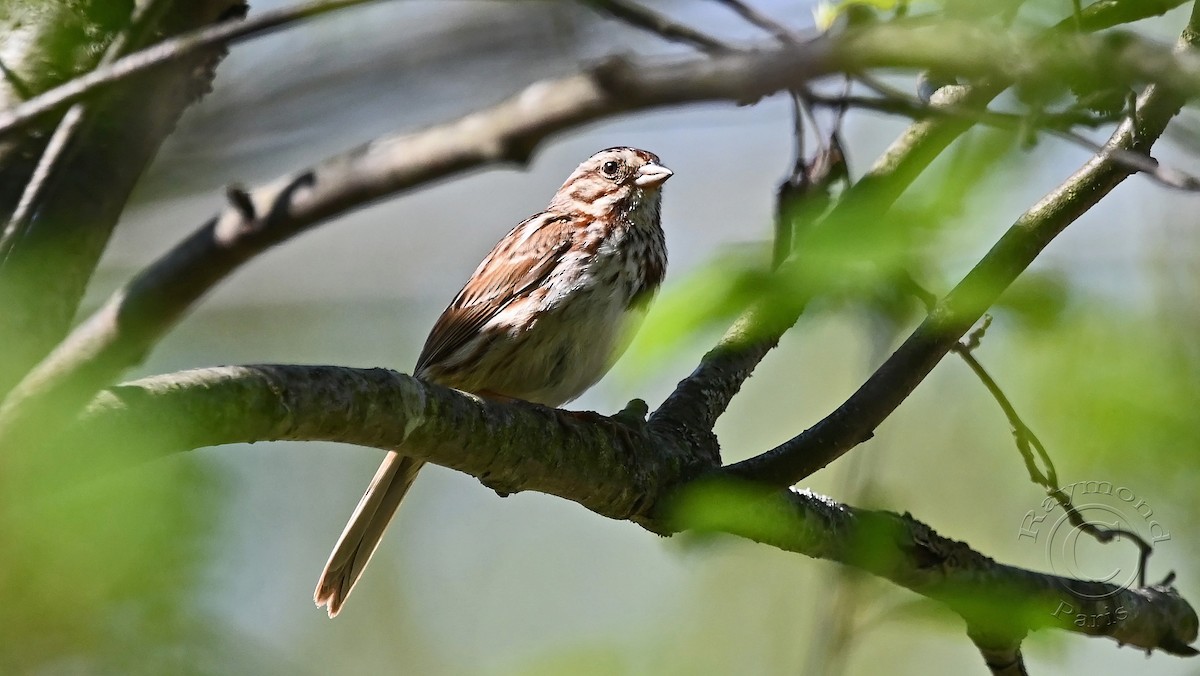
544	316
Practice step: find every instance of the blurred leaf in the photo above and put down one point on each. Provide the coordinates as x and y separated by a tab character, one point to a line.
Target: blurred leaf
856	256
912	611
96	568
1113	390
584	660
825	14
1037	299
708	298
878	543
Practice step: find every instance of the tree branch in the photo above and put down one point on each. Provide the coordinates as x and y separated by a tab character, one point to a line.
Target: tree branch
510	447
615	468
994	599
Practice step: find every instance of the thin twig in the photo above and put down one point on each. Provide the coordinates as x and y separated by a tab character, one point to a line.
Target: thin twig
780	32
781	245
1141	163
805	194
1046	476
895	101
165	52
1004	657
1037	459
1056	124
665	27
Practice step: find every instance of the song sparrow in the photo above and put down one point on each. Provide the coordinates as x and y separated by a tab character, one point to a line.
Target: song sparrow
542	319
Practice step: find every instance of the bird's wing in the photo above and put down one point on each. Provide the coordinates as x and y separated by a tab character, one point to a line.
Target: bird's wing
520	261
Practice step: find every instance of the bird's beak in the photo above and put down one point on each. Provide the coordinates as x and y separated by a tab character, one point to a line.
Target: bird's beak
652	176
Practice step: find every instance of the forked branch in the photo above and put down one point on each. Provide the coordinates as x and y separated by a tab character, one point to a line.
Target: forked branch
615	467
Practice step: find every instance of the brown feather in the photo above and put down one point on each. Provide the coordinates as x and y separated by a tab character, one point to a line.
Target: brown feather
515	265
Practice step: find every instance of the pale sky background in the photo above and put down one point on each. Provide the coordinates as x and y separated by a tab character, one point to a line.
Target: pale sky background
467	582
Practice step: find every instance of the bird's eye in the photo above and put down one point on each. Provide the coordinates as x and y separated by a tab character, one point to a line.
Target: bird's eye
610	168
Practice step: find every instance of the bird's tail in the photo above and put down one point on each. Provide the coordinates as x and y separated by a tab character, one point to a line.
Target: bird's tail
361	536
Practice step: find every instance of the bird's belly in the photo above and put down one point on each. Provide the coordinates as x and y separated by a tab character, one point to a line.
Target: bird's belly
585	348
566	351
